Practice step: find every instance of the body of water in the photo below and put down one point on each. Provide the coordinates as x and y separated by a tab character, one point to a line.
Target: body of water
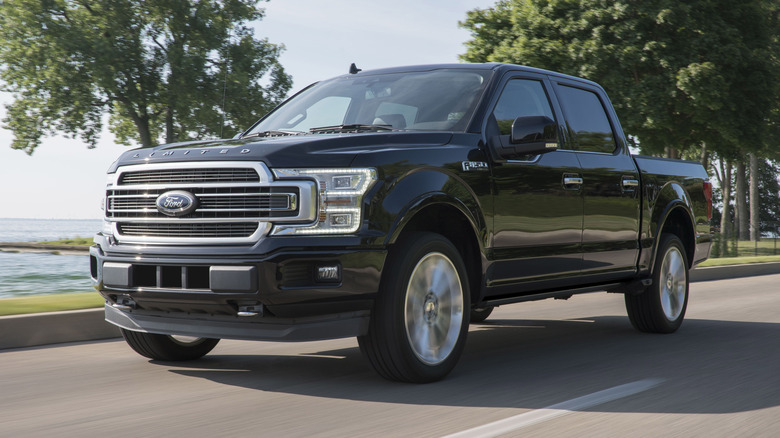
24	273
41	230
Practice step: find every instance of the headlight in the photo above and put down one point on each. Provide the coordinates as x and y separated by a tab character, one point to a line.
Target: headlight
340	195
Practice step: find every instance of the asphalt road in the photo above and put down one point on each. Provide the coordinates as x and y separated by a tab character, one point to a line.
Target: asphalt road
543	369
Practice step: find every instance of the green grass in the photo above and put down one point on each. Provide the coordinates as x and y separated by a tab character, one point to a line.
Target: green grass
50	303
78	241
724	261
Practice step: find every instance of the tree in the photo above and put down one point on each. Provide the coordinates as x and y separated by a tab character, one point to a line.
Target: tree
688	79
769	192
741	211
755	207
161	69
681	74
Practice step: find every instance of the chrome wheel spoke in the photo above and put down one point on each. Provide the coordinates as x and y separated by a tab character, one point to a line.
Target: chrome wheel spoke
433	310
673	281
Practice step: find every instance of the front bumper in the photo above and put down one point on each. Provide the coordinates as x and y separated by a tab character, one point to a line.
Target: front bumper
253	329
271	297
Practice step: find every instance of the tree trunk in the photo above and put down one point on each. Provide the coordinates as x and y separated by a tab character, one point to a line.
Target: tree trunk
725	220
743	231
170	136
670	152
755	221
144	134
705	157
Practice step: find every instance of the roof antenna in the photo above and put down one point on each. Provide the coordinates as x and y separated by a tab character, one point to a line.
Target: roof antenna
353	70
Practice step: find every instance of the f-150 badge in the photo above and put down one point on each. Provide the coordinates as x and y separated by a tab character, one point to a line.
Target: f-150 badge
474	165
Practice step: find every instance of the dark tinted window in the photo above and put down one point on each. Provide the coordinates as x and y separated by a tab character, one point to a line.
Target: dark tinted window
587	120
521	97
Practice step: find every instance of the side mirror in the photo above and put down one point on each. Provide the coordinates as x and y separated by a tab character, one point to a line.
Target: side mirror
531	135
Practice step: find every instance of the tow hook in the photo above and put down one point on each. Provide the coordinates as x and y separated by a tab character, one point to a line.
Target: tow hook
249	311
124	303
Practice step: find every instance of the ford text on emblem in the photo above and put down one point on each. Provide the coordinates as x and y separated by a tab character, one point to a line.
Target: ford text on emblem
176	203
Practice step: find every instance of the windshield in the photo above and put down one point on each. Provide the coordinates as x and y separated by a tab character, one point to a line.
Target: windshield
438	100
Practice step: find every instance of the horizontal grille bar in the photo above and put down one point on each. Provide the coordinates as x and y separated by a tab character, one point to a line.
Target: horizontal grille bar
188	230
190	176
213	203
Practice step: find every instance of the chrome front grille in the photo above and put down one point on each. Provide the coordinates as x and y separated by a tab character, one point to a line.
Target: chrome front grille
235	202
189	230
189	176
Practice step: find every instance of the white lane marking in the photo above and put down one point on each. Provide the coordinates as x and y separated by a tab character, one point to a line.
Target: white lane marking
576	404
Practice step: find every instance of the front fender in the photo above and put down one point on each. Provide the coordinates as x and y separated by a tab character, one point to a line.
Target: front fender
424	188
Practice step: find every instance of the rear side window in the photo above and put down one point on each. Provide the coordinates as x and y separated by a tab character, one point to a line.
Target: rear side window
587	120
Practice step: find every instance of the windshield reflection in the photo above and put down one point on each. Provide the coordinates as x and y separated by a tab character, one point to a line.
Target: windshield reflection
437	100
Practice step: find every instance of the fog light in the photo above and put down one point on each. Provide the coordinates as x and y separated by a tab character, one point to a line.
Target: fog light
328	273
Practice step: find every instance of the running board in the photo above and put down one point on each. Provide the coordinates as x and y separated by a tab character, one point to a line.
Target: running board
559	294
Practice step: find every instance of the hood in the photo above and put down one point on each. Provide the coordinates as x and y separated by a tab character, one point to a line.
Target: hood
310	150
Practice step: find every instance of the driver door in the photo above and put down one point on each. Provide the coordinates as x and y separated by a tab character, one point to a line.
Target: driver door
538	204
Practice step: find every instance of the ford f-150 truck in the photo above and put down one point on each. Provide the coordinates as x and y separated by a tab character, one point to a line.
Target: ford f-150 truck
397	206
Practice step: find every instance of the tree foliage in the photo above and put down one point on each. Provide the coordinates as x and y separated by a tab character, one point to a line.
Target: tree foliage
159	68
680	74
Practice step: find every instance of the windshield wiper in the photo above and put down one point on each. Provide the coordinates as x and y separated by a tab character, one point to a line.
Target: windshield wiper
273	133
356	127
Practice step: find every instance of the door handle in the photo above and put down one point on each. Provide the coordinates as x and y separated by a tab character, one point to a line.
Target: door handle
572	180
630	183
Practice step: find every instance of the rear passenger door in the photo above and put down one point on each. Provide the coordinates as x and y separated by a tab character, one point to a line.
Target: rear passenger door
610	181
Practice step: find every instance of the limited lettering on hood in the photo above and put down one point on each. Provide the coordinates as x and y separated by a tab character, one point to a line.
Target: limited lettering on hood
188	152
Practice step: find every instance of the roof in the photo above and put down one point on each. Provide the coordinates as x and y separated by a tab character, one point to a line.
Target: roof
495	66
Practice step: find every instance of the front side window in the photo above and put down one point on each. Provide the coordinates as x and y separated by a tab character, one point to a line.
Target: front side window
521	98
437	100
587	120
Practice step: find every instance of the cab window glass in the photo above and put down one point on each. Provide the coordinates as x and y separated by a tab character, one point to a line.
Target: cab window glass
587	120
520	98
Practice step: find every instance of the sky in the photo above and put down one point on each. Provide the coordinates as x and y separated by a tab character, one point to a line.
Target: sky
65	180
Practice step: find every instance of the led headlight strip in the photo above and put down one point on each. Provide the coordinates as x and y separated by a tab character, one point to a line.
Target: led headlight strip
341	193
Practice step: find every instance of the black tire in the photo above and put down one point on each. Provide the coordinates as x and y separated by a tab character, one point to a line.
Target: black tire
480	314
661	307
168	348
419	322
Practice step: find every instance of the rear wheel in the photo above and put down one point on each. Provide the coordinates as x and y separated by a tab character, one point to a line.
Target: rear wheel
418	325
661	308
167	347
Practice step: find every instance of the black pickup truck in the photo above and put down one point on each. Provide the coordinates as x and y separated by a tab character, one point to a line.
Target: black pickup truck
397	205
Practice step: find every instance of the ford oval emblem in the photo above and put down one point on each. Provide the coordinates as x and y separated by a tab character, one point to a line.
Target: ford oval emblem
176	203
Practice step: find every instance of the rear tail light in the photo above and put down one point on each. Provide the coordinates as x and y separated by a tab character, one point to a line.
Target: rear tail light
708	198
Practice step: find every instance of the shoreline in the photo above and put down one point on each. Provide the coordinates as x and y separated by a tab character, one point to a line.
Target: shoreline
43	248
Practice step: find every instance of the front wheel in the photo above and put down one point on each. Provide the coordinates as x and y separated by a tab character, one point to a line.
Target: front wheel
480	314
419	322
168	348
661	308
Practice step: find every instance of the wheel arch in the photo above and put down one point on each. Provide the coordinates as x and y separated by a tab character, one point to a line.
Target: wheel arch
445	215
673	213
